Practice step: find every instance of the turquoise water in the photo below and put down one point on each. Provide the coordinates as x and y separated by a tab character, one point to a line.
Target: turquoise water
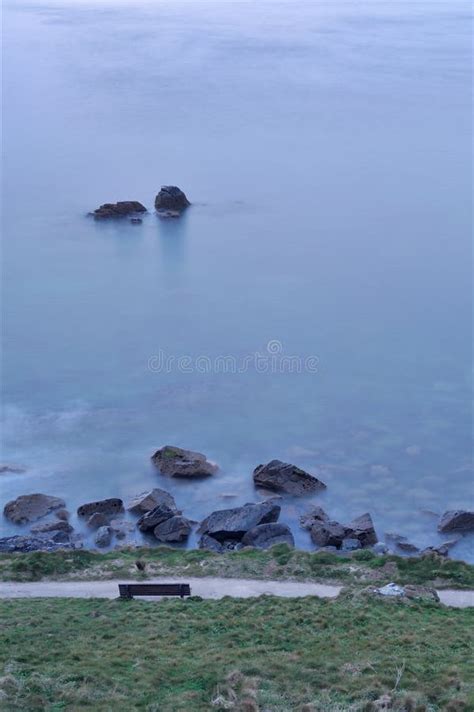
325	149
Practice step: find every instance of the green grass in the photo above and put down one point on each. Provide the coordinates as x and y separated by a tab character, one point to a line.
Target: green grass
268	654
280	562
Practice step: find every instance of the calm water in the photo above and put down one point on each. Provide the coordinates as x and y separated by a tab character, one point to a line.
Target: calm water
325	148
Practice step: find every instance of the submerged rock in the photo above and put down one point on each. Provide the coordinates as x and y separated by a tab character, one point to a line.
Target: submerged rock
98	519
30	507
176	462
146	501
110	506
13	469
174	529
103	537
263	536
122	209
171	198
121	527
56	526
459	520
232	524
279	476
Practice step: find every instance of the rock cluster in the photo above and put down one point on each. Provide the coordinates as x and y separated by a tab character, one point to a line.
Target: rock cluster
325	532
122	209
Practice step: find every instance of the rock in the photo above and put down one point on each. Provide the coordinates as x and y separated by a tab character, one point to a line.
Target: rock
169	214
97	520
121	527
174	529
362	528
391	589
103	537
280	476
407	548
264	536
458	520
25	544
13	469
315	514
440	549
210	544
328	533
118	210
351	544
136	221
56	526
62	514
232	524
157	516
110	506
380	548
171	198
176	462
30	507
146	501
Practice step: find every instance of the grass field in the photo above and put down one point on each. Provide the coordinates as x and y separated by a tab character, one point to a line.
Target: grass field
267	654
280	562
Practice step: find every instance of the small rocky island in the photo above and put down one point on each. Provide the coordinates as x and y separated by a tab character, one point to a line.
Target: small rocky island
170	202
122	209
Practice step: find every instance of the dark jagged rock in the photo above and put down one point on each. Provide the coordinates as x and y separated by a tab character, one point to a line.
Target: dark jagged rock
176	462
264	536
30	507
103	537
171	198
25	544
111	506
98	519
280	476
362	528
315	514
210	544
232	524
122	209
174	529
458	520
328	533
146	501
156	516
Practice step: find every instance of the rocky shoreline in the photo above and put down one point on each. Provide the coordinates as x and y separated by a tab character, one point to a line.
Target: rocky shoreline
255	524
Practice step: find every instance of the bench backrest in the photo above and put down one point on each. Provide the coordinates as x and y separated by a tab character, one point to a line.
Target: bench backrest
128	590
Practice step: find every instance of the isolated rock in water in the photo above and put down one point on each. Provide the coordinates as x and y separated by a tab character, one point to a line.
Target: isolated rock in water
362	528
110	506
176	462
30	507
118	210
25	544
328	533
98	519
56	526
210	544
172	198
458	520
315	514
174	529
146	501
264	536
157	516
279	476
14	469
234	523
103	537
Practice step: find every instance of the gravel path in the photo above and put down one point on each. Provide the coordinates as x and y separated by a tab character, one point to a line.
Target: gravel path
205	587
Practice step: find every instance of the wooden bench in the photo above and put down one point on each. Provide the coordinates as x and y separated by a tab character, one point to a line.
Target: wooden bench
129	590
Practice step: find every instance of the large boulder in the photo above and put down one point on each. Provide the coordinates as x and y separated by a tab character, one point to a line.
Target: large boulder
210	544
315	514
98	519
232	524
146	501
264	536
176	462
110	507
25	544
362	528
280	476
172	198
459	520
30	507
157	516
174	529
328	533
122	209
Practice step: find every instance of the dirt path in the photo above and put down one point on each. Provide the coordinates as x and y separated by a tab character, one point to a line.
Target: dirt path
205	587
